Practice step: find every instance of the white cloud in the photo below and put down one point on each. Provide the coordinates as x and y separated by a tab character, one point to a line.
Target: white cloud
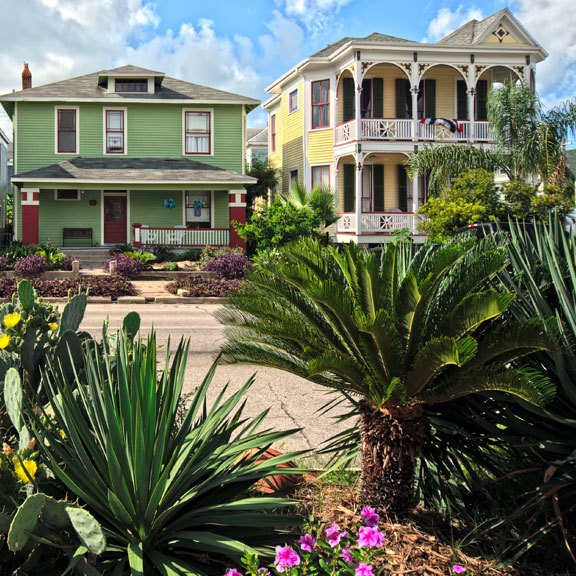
316	15
549	22
447	21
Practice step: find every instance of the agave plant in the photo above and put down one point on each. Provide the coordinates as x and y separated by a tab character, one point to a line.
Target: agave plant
394	337
166	491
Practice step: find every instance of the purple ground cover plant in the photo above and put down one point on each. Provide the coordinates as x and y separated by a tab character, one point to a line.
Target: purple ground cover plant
125	266
322	550
30	266
230	265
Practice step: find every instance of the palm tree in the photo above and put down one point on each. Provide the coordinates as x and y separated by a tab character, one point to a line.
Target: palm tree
527	142
319	200
393	336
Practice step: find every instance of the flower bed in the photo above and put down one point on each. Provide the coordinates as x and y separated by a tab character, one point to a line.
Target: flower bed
195	287
96	285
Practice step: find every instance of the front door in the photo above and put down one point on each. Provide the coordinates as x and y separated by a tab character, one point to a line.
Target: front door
115	220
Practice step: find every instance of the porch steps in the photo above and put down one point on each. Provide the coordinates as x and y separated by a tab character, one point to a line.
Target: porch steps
89	258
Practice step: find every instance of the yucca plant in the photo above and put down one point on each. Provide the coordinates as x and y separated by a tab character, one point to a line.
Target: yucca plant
394	337
168	492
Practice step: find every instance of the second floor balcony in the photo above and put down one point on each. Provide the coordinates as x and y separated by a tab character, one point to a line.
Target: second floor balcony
429	129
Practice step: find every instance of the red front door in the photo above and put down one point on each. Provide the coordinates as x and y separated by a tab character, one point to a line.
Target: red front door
115	220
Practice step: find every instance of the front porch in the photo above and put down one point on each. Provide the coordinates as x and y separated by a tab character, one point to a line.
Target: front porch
178	237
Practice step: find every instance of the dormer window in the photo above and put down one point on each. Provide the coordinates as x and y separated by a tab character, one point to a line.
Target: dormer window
132	85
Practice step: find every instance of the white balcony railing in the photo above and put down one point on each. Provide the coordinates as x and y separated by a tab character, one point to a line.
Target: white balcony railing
403	129
148	236
377	222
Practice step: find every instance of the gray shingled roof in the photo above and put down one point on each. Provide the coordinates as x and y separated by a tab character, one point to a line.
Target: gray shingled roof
374	37
87	87
473	30
129	69
257	135
137	169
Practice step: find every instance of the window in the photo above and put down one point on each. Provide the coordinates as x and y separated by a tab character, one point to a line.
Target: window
137	85
198	132
67	139
321	177
321	104
198	209
66	195
293	178
293	101
273	133
427	99
114	131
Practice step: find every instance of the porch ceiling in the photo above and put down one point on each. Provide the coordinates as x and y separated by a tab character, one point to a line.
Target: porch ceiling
131	170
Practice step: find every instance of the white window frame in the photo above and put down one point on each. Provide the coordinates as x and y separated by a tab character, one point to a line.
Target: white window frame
77	109
290	94
212	135
115	109
78	194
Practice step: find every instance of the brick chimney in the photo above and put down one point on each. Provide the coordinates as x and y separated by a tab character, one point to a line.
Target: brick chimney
26	77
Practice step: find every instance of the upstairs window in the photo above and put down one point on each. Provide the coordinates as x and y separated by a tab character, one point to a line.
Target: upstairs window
321	177
321	104
67	141
273	133
198	133
133	85
293	101
114	131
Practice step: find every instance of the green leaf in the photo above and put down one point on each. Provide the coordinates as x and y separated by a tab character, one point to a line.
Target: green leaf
26	295
136	558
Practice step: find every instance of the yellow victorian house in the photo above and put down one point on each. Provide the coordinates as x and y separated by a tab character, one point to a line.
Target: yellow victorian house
348	116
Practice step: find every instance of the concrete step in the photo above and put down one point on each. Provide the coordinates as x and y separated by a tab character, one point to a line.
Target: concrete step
90	258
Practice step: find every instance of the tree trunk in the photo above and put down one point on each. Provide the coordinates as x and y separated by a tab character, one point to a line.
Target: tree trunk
392	439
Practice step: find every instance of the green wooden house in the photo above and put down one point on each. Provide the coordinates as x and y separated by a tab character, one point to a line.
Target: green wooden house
128	155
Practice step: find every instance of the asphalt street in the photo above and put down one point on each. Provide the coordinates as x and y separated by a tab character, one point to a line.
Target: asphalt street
293	401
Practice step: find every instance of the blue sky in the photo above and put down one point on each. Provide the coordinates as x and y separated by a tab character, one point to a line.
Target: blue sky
243	46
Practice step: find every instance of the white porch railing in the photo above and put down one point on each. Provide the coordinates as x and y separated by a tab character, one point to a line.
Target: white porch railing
377	222
148	236
403	129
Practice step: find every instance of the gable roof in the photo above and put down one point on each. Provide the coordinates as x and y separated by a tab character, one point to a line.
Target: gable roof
374	37
257	135
86	87
131	170
130	70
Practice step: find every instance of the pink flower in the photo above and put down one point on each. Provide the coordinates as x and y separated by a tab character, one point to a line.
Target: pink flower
370	516
346	554
364	570
263	571
334	535
457	569
285	558
370	537
233	572
307	542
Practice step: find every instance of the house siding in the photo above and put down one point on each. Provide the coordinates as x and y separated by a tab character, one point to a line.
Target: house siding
320	146
153	130
292	137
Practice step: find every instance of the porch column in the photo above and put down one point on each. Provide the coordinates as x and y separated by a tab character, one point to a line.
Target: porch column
30	208
237	207
359	162
358	96
415	195
414	92
471	101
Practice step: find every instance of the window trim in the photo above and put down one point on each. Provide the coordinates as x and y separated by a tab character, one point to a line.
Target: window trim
211	207
290	108
56	199
273	133
209	111
327	103
124	111
291	179
123	79
57	110
312	168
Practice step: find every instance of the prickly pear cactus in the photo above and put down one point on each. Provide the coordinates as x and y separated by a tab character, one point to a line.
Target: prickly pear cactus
73	313
87	528
25	521
26	295
13	397
131	324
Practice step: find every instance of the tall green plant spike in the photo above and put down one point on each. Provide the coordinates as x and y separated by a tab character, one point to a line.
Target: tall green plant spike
136	559
26	295
68	354
13	397
87	528
73	313
25	521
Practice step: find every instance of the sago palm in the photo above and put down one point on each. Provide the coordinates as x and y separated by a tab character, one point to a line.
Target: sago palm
394	336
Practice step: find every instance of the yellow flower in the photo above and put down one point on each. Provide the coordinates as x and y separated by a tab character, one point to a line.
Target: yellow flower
62	433
30	466
4	341
12	319
52	326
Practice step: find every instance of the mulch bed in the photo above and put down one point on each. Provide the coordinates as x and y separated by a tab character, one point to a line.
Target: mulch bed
420	545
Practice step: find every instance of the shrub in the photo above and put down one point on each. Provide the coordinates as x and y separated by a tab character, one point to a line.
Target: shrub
210	253
30	266
67	261
144	257
125	266
3	262
205	287
166	493
171	266
230	265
